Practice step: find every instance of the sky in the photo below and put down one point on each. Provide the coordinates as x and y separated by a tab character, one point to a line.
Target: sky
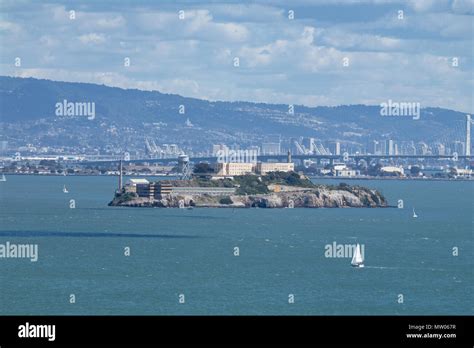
302	52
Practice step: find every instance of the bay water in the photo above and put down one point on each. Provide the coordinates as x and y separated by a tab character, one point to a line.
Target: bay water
413	266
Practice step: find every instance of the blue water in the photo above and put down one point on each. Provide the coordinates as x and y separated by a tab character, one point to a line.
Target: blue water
190	252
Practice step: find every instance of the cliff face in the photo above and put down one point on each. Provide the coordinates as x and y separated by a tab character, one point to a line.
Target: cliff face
322	197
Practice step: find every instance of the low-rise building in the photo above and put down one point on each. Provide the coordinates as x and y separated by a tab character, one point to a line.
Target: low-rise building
156	190
392	170
163	188
343	171
213	191
266	167
234	168
461	173
132	184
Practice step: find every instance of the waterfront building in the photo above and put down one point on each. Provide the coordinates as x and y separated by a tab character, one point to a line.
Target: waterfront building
461	173
383	147
344	171
375	148
392	170
391	147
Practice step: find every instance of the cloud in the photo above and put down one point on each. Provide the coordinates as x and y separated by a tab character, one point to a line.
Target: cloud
112	22
343	39
194	24
9	27
92	38
281	60
463	6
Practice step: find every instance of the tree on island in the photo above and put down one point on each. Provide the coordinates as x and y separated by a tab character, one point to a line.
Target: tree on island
415	170
374	170
202	168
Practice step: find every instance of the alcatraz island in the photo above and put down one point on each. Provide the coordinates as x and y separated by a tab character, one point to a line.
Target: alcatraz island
242	185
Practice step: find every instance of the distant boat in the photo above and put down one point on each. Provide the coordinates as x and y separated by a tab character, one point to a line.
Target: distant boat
3	178
189	208
65	189
414	214
357	260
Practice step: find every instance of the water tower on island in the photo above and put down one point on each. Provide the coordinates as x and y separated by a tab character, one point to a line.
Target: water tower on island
184	169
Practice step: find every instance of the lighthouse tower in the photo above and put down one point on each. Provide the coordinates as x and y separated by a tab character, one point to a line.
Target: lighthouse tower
120	177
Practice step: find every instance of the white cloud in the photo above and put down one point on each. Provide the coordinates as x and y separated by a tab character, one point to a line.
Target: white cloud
196	24
344	39
112	22
429	5
48	41
281	60
463	6
92	38
9	27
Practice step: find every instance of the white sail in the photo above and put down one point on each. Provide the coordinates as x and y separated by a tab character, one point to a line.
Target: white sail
414	214
3	178
65	189
357	257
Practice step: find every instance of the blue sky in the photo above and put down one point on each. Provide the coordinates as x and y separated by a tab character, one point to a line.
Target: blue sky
282	60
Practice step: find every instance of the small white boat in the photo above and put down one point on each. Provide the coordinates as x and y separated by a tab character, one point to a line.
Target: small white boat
65	189
357	260
3	178
414	214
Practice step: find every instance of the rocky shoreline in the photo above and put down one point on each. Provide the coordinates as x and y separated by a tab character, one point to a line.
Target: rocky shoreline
321	197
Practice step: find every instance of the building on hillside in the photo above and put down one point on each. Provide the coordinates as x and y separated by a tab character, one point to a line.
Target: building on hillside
212	191
156	190
242	168
234	168
266	167
132	184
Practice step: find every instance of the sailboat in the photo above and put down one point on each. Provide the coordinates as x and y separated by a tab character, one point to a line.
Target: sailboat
65	189
3	178
414	214
357	260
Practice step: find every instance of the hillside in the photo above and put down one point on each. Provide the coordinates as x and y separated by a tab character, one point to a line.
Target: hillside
123	118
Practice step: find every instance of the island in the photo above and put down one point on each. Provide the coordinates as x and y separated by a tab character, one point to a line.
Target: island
273	190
